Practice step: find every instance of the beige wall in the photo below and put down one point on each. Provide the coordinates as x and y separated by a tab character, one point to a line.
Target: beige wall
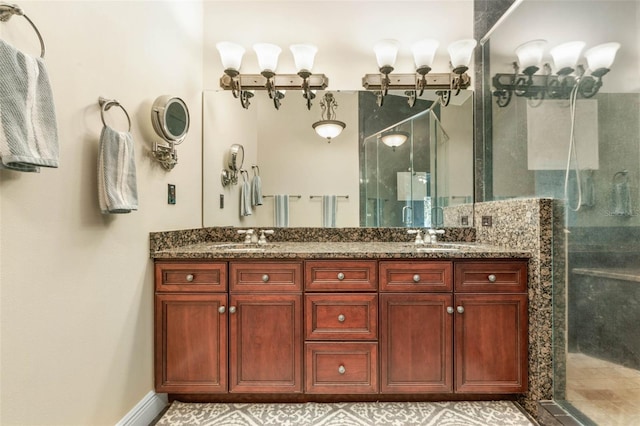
76	286
76	343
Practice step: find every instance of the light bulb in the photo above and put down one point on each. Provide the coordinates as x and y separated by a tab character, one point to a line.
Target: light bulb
230	54
601	56
424	52
530	55
386	52
303	56
267	56
460	52
565	56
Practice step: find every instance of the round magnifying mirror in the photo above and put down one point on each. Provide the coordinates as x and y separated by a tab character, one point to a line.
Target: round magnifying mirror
236	157
170	118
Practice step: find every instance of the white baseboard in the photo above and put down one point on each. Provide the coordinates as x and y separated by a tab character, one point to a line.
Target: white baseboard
146	410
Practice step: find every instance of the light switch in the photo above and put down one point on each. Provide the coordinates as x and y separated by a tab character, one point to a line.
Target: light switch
171	194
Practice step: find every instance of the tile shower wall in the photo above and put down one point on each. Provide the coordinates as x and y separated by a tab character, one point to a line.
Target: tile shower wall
528	224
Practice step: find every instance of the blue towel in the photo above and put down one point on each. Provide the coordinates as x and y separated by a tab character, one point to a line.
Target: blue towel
28	130
329	210
256	191
245	199
281	203
117	187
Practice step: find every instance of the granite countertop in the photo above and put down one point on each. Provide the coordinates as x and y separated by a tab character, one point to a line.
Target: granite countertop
336	250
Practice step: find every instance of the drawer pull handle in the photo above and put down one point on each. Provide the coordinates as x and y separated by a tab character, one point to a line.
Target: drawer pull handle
492	278
232	309
460	309
190	277
416	278
340	276
342	370
449	309
341	318
221	309
265	278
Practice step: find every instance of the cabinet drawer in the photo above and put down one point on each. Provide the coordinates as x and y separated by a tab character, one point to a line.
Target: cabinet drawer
340	368
340	275
423	276
491	276
341	316
265	276
191	277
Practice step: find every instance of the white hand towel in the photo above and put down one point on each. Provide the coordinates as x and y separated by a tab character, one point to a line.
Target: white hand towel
281	203
28	130
256	191
117	187
329	210
245	199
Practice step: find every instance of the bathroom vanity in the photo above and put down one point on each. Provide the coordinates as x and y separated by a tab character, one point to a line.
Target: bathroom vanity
330	320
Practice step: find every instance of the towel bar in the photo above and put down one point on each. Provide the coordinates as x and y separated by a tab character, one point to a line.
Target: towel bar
290	196
105	104
8	10
320	196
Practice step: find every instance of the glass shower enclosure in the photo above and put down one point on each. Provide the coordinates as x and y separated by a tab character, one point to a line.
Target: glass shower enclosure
400	183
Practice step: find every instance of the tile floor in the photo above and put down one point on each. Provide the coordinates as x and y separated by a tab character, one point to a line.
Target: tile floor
607	393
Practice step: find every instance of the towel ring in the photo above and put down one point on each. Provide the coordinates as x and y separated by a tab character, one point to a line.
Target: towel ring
8	10
105	104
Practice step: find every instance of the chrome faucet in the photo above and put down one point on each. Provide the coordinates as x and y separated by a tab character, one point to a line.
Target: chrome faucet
249	235
418	233
263	239
433	235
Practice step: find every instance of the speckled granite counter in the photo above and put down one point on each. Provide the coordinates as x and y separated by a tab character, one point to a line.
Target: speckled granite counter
341	250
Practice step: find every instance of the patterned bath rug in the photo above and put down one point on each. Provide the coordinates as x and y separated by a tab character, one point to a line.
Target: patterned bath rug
459	413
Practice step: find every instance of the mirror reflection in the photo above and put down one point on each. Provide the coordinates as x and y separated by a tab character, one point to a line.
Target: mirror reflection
392	165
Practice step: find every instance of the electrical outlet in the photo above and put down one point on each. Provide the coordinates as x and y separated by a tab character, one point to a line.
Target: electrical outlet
464	220
487	221
171	194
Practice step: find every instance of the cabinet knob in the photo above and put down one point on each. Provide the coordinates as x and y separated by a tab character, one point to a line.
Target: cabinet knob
232	309
265	278
460	309
342	370
416	278
341	318
492	278
340	276
190	277
221	309
449	309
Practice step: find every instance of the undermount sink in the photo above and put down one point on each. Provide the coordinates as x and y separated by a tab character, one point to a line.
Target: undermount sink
238	247
443	246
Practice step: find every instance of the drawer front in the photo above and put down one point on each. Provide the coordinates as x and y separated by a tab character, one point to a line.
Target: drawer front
491	276
341	316
341	275
341	368
265	276
411	276
191	277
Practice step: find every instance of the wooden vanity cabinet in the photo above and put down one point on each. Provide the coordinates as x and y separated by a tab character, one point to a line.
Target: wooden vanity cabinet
341	327
190	327
416	329
265	327
491	326
454	326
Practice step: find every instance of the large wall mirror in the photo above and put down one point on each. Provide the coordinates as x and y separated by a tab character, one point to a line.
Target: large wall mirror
427	181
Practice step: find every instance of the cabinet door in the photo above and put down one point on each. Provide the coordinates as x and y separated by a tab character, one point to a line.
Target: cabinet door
416	339
265	343
491	343
191	343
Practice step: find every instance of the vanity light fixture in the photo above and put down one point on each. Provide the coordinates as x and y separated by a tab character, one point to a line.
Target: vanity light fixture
243	86
394	138
414	84
569	76
328	127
